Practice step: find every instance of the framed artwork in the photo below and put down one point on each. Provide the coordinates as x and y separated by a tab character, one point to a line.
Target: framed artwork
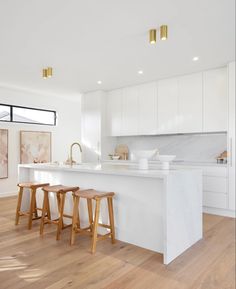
35	147
3	153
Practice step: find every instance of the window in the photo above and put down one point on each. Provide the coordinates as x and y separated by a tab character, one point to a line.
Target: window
5	112
13	113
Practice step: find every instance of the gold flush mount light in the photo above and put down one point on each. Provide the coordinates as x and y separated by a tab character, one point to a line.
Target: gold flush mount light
152	36
163	32
47	72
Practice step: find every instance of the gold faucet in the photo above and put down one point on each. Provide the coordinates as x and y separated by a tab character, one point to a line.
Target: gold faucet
71	161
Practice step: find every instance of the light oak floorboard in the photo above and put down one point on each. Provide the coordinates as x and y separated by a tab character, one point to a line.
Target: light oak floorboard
28	261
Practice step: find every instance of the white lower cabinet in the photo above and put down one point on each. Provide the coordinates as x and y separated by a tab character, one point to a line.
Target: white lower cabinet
215	200
215	187
215	191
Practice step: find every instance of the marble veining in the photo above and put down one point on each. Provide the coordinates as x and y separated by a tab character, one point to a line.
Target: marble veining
187	147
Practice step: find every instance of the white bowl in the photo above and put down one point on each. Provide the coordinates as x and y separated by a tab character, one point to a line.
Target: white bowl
115	157
143	154
166	158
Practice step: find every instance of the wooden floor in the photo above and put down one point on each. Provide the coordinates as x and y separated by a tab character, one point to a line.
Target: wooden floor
27	261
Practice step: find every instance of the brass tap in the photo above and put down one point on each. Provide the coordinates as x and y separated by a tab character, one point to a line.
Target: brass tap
71	161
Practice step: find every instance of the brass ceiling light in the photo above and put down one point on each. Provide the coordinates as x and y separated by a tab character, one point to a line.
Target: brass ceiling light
164	32
152	36
47	72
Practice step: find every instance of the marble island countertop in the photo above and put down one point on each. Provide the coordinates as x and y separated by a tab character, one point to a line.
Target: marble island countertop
150	205
110	169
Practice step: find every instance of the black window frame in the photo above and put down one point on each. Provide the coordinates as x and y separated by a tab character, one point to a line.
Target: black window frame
11	106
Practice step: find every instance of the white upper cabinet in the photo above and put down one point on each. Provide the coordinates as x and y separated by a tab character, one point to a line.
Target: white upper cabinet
167	110
130	111
147	113
114	112
215	100
190	103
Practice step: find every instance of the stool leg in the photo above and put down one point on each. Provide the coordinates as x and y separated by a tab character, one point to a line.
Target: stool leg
35	208
18	207
32	208
43	212
48	207
59	205
90	213
95	226
61	212
111	218
74	220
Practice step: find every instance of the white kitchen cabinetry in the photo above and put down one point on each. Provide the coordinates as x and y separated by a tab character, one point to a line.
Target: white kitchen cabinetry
215	192
167	110
193	103
190	103
231	135
114	112
130	111
147	108
215	100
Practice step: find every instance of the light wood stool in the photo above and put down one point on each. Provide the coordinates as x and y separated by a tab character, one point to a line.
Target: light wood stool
33	206
93	222
60	192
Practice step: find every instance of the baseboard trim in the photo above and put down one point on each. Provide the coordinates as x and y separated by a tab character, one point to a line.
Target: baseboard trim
220	212
8	194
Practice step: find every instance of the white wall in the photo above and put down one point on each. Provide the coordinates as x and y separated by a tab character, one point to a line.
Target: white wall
68	129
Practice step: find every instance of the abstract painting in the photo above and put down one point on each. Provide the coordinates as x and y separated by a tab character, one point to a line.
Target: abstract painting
35	147
3	153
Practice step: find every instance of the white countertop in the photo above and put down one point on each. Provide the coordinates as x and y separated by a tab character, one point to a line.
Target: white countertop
175	163
110	169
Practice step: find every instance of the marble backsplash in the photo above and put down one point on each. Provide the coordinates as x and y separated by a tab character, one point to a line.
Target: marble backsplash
186	147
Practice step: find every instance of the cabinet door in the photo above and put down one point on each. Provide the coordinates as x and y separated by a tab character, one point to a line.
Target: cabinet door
190	103
130	111
167	110
114	112
147	102
215	100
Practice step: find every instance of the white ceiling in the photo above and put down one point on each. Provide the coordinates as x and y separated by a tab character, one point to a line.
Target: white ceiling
85	41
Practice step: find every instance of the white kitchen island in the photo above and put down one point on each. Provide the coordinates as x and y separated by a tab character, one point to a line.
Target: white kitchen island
154	209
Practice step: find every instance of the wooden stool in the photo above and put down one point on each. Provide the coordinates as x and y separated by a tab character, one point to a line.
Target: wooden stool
60	191
93	226
33	206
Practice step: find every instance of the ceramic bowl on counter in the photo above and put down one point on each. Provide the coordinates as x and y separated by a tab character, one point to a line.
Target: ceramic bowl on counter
165	160
115	158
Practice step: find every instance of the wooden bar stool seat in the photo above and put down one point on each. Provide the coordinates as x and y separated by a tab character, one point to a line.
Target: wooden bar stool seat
91	230
33	210
60	192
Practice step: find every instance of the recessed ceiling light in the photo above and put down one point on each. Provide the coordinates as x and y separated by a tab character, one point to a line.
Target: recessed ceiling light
195	58
99	82
140	72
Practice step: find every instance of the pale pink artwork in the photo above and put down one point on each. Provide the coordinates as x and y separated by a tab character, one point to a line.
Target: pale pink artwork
35	147
3	153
